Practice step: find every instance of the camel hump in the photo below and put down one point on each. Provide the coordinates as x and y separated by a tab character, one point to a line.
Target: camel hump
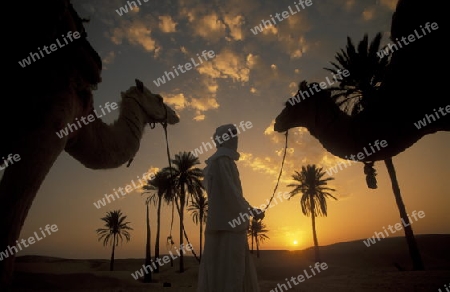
412	15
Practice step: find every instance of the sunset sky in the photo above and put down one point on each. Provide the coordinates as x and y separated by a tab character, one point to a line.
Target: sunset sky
248	79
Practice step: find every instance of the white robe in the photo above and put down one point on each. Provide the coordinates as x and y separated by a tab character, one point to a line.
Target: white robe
226	264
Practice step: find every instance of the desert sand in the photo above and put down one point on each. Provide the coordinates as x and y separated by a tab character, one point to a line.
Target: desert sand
352	266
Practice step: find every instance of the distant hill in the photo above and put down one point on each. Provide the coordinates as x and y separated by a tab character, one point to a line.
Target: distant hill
434	249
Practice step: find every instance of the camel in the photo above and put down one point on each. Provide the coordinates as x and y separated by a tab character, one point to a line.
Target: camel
59	92
393	116
344	135
402	100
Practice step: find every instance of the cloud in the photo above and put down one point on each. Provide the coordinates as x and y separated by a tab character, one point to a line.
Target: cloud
199	117
178	101
136	32
203	103
295	46
209	27
270	30
287	36
390	4
199	104
227	64
368	13
234	24
293	86
108	59
210	85
260	164
214	23
349	4
251	60
149	174
152	170
166	24
302	149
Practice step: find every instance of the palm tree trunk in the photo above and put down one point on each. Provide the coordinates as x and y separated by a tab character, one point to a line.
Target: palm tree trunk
158	230
111	263
183	230
182	201
148	255
201	233
252	241
171	224
409	234
257	245
316	243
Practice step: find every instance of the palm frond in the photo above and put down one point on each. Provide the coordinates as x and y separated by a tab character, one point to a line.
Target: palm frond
114	225
366	74
310	182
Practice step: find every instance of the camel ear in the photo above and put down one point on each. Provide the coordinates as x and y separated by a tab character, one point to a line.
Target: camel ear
303	85
139	85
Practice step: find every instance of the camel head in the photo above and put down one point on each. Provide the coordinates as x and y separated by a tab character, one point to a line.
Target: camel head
300	109
152	104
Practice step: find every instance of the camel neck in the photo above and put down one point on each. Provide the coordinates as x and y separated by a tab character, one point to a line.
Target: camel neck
100	146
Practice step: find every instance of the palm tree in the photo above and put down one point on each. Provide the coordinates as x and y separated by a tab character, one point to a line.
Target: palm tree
170	199
161	184
187	181
115	228
366	69
199	210
357	92
314	191
148	254
257	232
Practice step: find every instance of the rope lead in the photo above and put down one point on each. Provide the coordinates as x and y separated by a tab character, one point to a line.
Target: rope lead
281	170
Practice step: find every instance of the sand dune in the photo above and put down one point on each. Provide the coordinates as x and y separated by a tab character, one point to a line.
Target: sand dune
351	267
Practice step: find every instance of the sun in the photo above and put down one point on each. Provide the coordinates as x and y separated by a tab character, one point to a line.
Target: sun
295	242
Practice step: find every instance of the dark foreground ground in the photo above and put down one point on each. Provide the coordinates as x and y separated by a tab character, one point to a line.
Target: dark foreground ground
352	266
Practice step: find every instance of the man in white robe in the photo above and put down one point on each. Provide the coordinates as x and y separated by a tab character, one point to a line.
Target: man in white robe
226	265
